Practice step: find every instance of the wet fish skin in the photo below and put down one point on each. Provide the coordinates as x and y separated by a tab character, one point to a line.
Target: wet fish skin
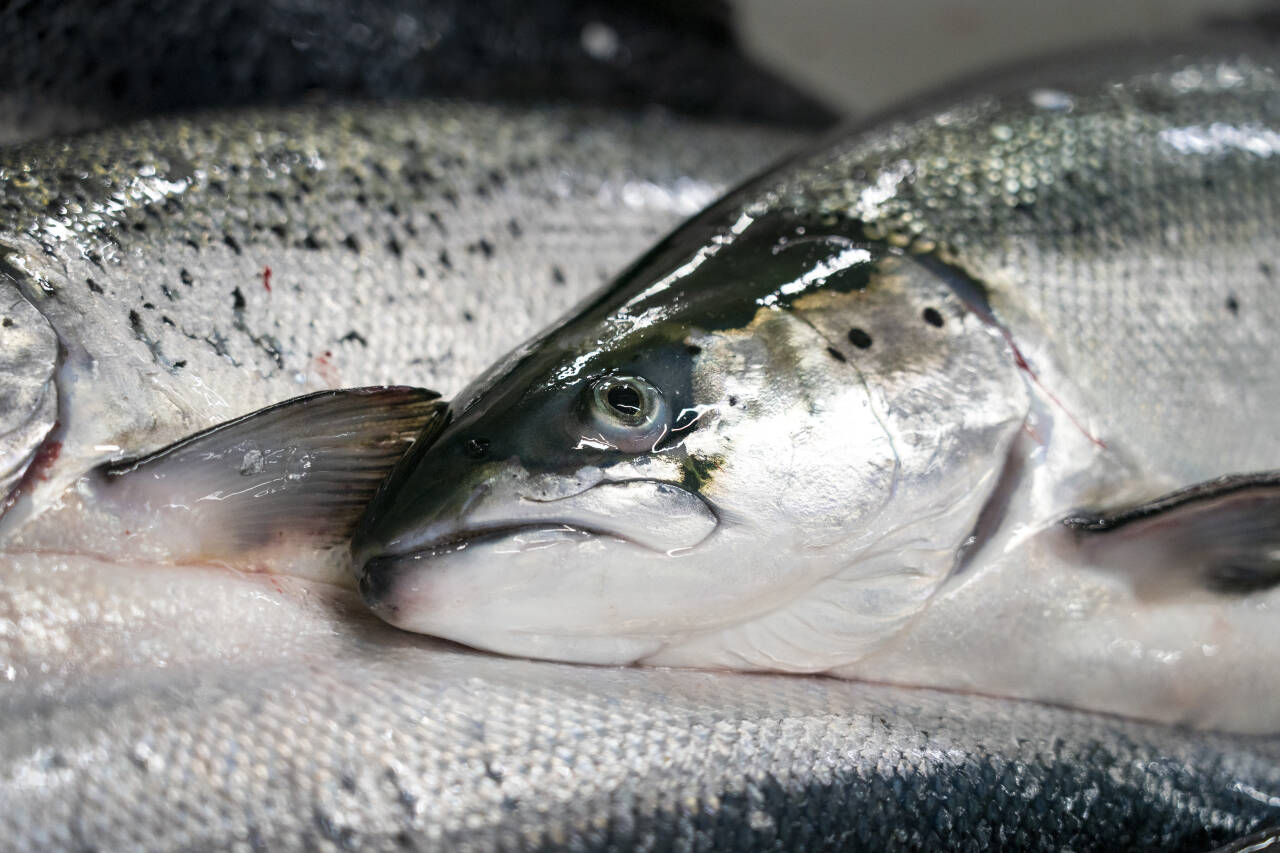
309	246
964	323
302	736
154	706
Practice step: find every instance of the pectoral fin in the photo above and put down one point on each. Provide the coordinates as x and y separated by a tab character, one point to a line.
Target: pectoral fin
303	469
1222	536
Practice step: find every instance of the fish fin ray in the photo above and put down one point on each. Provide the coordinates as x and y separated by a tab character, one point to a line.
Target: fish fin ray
304	467
1222	536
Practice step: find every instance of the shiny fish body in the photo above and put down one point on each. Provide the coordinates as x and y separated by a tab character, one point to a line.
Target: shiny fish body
177	708
312	248
322	729
947	402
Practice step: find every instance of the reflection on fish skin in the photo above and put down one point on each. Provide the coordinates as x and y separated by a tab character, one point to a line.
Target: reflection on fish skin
202	268
320	728
921	346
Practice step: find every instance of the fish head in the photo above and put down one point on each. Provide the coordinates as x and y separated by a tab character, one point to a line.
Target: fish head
686	453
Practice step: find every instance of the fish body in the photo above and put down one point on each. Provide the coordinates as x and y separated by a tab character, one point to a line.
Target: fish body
307	249
154	704
325	730
980	396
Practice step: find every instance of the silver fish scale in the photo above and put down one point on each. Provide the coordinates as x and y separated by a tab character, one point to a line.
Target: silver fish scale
204	267
481	753
1124	225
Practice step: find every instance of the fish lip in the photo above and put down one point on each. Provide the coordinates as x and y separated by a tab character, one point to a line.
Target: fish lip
462	537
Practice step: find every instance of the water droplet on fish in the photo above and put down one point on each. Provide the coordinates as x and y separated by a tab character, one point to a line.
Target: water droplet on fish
252	463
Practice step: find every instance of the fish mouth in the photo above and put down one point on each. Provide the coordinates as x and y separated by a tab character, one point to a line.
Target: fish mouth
458	540
381	574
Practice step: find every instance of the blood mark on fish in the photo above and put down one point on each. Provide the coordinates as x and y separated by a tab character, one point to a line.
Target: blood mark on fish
1021	361
266	278
44	459
41	462
325	369
973	296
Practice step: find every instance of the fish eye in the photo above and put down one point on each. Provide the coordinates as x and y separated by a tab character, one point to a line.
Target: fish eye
628	412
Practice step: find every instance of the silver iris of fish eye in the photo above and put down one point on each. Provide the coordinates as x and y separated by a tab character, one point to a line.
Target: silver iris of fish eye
628	412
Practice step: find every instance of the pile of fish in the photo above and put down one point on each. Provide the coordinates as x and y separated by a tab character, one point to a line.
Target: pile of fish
972	406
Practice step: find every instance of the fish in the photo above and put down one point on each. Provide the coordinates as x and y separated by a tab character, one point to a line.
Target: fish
978	396
296	736
257	256
150	704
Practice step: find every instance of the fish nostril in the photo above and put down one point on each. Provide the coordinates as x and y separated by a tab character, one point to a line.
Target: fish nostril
476	448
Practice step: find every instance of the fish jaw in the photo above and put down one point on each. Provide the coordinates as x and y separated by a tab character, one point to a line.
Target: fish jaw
578	567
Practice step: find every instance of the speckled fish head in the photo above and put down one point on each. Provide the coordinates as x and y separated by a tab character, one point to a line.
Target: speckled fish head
689	450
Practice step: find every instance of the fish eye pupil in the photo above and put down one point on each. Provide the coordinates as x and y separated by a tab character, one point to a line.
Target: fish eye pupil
624	399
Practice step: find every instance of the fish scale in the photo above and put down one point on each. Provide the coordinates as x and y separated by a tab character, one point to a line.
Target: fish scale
1113	230
984	401
326	246
341	752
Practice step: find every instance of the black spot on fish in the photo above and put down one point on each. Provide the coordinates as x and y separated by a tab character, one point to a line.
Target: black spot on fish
693	349
932	317
183	276
231	243
181	363
393	246
836	354
483	246
444	260
94	286
347	781
437	222
275	198
733	401
476	448
859	338
351	243
1233	304
237	300
557	275
7	322
168	294
493	772
353	335
696	471
135	322
1264	268
342	836
514	228
310	242
468	316
280	231
168	321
